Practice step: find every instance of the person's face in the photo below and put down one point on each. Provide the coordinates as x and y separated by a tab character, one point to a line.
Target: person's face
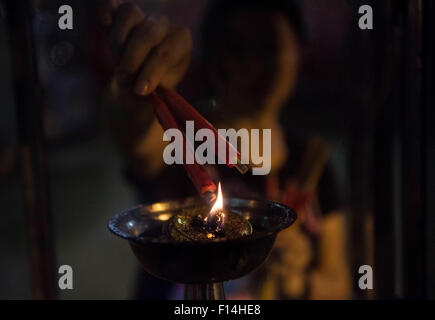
260	69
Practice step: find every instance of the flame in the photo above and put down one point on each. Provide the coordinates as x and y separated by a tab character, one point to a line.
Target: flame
219	203
216	217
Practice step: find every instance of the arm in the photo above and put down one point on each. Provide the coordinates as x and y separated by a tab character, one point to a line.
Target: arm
153	52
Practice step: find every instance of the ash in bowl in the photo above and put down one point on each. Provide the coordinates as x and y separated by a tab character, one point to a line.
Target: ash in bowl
193	224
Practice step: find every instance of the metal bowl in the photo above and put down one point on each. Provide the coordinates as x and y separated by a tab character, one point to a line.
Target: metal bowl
198	262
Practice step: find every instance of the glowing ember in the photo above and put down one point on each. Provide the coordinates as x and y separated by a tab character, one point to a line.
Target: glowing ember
214	222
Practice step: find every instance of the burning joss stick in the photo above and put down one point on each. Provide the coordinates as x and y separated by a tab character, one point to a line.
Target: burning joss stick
185	112
197	174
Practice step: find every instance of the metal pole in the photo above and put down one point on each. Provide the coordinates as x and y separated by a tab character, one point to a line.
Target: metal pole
208	291
429	141
28	100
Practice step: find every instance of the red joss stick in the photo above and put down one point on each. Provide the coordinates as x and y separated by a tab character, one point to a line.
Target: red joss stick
185	112
196	173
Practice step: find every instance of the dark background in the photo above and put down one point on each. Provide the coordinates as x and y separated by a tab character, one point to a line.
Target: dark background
368	92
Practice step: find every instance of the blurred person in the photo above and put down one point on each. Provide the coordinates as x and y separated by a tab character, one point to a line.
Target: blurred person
7	162
253	53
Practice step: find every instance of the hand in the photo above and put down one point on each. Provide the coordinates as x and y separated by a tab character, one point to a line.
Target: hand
152	51
306	205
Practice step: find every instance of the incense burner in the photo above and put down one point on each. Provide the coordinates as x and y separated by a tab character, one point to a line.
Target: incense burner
201	261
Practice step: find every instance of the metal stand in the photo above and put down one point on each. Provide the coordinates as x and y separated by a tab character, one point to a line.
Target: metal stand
28	102
208	291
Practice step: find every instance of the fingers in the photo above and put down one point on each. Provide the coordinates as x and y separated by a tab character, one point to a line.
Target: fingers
127	17
153	51
166	62
147	35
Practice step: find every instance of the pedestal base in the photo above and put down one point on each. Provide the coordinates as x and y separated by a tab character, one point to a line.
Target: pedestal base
209	291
